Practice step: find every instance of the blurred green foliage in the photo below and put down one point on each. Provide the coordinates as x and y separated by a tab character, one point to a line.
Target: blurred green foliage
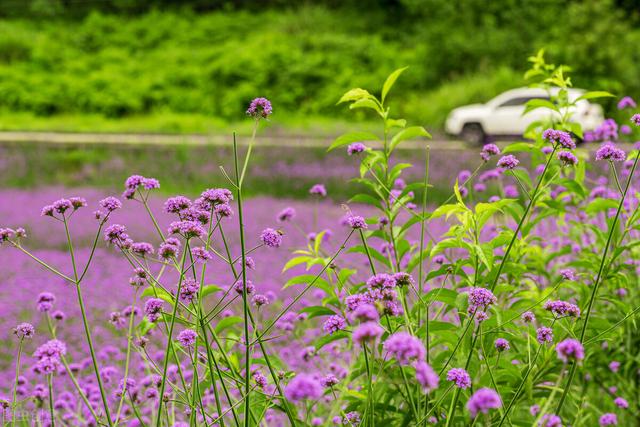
130	58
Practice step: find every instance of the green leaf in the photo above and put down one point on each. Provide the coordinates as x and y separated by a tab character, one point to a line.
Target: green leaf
210	289
519	147
595	94
355	95
366	103
327	339
317	310
157	292
539	103
227	322
388	84
352	137
296	261
408	133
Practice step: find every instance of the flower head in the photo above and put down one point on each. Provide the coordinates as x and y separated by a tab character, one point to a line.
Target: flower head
483	400
426	377
303	386
405	347
508	162
608	419
561	138
459	377
635	119
502	344
356	222
153	308
24	331
334	323
626	102
318	190
567	158
260	108
528	317
367	332
562	308
187	338
544	334
480	298
286	214
271	237
570	349
356	148
610	152
550	420
487	151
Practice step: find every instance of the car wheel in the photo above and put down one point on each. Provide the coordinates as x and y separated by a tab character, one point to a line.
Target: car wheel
473	133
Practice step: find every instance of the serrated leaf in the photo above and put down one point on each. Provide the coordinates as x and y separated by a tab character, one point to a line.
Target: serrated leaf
388	84
408	133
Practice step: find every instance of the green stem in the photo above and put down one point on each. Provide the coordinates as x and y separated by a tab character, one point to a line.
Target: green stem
50	384
245	304
15	385
169	338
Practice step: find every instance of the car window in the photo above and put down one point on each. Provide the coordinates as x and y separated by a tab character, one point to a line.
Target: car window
521	100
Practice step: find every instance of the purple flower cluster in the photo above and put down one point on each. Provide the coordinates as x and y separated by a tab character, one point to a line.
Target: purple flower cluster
611	153
570	349
562	309
138	182
303	387
559	137
487	151
459	377
482	401
508	162
260	108
405	348
271	238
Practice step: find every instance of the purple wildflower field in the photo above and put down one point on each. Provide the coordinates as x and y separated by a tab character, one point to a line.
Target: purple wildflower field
511	303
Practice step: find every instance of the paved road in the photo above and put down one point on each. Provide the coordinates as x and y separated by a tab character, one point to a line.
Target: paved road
191	139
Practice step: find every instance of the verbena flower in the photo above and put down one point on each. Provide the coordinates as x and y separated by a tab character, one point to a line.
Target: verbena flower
188	229
502	344
426	377
508	162
550	420
153	308
365	312
24	331
189	290
614	366
318	190
459	377
487	151
544	335
356	148
260	108
482	401
405	348
110	204
271	238
239	287
570	349
177	204
260	379
568	274
187	338
626	102
608	419
635	119
357	222
286	214
334	323
528	317
142	248
367	332
259	300
610	152
48	355
559	137
562	309
480	298
621	403
200	254
329	381
567	158
302	387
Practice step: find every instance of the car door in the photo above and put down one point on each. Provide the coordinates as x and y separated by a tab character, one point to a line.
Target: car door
507	117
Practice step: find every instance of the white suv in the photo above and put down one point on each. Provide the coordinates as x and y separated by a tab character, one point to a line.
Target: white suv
503	115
